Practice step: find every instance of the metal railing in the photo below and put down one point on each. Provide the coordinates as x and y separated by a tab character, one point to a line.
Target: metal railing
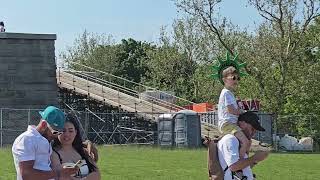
113	92
126	86
126	90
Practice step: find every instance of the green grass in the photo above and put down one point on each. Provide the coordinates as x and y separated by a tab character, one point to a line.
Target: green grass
145	163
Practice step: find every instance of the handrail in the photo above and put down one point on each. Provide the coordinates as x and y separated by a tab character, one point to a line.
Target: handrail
101	80
128	91
132	92
118	77
135	83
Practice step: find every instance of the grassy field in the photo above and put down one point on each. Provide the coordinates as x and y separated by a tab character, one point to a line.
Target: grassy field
145	163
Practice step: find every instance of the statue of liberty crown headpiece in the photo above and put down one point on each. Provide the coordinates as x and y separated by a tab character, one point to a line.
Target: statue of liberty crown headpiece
221	65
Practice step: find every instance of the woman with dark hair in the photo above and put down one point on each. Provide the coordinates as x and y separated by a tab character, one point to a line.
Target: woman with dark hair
68	149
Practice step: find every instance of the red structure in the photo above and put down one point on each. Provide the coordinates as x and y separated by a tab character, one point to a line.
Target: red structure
249	105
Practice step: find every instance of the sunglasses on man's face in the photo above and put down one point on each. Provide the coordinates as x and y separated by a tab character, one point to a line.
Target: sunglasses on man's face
53	131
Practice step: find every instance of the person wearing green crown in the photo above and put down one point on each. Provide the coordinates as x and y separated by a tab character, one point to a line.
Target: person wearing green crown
228	110
228	72
238	128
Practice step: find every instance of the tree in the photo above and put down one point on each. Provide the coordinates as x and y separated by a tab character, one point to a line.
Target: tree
170	69
282	33
199	47
270	53
93	50
132	59
304	96
205	11
127	59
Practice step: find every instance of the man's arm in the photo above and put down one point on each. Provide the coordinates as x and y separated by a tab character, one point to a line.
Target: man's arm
230	149
251	161
55	161
28	173
241	164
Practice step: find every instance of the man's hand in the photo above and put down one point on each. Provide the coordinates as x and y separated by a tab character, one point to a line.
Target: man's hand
206	141
242	163
260	156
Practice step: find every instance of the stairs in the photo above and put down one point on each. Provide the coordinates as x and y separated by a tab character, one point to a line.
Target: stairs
104	91
120	92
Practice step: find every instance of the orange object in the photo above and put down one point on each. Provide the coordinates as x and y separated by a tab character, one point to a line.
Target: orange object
203	107
190	107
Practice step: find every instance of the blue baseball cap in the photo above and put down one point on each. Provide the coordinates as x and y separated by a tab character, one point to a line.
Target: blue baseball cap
54	116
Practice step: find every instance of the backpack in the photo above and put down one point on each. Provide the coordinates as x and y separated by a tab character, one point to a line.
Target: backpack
215	171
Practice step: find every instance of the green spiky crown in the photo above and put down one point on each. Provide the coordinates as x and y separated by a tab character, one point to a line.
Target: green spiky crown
223	64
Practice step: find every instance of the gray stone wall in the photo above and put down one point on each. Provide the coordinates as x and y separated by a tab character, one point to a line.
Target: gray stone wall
27	70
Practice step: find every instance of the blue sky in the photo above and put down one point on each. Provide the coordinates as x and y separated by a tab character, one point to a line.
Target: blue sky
138	19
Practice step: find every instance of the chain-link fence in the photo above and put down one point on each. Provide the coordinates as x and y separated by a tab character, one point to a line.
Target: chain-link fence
15	121
126	127
266	120
107	128
291	132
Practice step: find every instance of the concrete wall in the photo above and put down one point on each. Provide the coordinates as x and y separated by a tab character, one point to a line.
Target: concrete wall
27	70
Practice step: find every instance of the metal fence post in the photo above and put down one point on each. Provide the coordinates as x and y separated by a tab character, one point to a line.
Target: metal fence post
59	74
310	124
311	131
86	124
87	121
118	99
275	117
1	126
29	116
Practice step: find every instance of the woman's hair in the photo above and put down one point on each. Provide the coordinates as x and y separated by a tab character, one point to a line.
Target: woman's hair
1	23
77	142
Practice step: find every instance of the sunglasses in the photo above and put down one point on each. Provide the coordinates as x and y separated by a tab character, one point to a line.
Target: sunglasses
235	78
53	131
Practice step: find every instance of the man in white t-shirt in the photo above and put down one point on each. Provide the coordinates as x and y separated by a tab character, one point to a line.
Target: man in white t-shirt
228	149
32	149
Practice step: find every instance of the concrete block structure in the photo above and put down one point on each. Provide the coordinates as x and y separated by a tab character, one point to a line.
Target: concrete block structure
27	71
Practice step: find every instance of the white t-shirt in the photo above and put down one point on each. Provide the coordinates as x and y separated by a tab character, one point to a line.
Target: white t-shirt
31	145
228	152
226	98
